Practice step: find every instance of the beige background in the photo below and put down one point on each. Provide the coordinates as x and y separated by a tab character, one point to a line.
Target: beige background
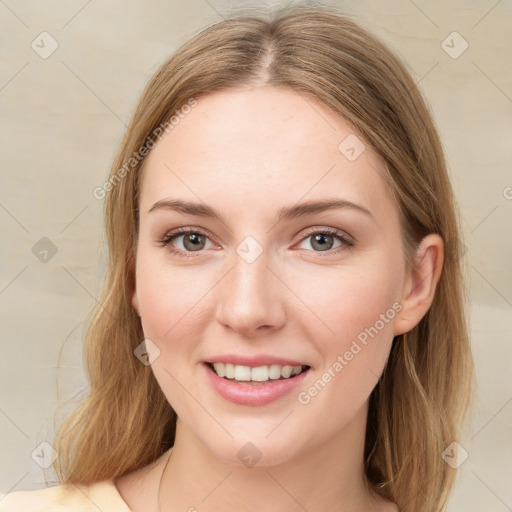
63	118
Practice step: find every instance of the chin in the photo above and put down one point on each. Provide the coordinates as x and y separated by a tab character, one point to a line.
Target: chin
254	451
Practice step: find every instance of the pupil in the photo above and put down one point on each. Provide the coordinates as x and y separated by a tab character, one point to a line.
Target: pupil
194	239
317	238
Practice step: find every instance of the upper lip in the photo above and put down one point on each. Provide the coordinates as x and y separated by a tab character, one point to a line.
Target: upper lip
256	360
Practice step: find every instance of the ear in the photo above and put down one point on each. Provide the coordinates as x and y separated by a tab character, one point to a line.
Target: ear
420	283
130	262
135	302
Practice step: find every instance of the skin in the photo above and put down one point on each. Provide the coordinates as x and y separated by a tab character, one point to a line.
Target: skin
248	152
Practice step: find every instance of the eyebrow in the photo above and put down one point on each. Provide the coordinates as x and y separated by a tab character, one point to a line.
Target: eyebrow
285	213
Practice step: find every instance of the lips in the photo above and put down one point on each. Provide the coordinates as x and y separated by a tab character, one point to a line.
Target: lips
253	393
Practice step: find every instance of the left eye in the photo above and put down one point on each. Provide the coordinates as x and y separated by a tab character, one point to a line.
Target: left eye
324	240
194	240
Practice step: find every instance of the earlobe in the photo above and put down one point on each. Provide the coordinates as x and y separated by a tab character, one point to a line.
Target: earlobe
420	284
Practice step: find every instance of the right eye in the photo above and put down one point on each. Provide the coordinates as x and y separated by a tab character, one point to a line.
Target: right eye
192	241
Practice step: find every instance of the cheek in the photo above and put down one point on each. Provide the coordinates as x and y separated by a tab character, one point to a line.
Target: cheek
345	300
175	308
170	298
352	330
171	305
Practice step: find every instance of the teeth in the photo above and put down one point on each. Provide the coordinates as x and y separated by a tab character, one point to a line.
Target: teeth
229	370
295	370
258	373
286	371
274	371
242	373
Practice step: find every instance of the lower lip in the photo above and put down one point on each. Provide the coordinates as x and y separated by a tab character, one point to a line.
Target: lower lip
243	393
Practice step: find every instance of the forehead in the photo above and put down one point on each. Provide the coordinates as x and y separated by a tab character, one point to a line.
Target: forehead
263	146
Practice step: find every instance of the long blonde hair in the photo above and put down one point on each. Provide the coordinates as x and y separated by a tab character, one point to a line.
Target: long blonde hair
418	407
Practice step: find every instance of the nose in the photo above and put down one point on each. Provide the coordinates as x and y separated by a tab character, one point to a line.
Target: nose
250	298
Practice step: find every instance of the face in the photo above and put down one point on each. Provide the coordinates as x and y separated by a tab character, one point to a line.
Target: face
318	289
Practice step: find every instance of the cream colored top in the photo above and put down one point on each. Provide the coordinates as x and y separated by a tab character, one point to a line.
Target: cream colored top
66	498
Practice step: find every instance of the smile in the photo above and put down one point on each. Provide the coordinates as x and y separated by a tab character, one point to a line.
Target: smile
275	382
255	374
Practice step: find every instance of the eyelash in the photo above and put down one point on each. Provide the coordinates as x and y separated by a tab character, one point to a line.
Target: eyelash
169	237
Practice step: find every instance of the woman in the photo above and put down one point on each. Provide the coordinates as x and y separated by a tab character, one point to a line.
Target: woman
313	354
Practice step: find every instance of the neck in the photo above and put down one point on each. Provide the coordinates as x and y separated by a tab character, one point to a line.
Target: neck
325	476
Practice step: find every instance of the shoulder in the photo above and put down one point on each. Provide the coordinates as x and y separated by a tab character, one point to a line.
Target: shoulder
67	497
